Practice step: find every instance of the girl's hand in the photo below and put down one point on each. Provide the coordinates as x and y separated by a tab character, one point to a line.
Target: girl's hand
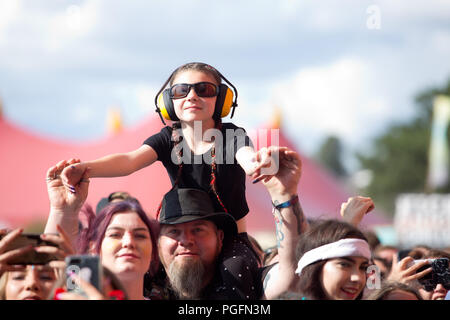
247	159
286	166
62	198
72	175
267	163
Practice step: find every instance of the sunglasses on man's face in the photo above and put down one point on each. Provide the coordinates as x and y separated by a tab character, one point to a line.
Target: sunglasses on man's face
203	89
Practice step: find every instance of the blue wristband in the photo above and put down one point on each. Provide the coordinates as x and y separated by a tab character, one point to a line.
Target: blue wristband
286	204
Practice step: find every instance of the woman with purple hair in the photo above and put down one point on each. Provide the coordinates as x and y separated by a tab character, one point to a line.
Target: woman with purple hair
121	233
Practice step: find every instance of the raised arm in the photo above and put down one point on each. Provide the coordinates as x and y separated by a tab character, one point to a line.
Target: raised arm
289	218
64	204
114	165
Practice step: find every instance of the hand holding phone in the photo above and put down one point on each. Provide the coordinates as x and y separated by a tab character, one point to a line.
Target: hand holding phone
85	267
19	248
440	274
405	270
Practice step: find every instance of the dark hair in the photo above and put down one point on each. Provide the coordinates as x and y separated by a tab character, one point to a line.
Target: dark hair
419	251
435	253
92	236
257	249
372	239
197	66
321	233
382	247
389	287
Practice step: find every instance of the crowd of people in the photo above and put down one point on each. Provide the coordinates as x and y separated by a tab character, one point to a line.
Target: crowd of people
198	247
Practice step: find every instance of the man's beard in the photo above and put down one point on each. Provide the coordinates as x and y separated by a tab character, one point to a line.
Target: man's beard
186	277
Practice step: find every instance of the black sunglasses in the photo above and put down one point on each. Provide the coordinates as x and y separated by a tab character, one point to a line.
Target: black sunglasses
203	89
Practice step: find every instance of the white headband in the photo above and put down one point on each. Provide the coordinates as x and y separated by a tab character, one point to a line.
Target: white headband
342	248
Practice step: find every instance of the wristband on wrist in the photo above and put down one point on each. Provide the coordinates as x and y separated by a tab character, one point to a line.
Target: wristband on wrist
286	204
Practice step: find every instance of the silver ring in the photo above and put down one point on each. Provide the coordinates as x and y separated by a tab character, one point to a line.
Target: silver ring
56	176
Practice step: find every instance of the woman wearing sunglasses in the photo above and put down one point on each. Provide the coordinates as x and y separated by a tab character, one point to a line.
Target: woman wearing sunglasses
198	151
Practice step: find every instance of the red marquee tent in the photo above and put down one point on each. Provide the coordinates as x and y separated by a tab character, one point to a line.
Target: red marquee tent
25	158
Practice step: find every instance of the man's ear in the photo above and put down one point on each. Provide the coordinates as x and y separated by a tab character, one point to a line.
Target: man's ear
220	236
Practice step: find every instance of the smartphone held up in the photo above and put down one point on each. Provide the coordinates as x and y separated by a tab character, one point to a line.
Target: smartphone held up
31	257
87	268
440	273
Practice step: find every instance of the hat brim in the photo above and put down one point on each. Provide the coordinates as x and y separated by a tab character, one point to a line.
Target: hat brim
222	220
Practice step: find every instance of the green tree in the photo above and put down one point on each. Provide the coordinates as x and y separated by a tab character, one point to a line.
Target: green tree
329	155
399	157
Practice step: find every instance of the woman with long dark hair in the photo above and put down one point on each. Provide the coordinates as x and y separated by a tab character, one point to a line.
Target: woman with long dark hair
333	257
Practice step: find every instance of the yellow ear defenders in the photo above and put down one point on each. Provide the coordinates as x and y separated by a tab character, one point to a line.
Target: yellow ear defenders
225	100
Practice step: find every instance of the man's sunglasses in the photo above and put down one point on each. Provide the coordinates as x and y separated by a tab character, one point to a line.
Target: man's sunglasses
203	89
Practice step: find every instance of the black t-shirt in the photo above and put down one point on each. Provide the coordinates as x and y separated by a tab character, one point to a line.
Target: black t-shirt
196	171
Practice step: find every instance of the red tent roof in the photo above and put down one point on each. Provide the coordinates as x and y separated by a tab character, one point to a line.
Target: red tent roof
320	193
25	158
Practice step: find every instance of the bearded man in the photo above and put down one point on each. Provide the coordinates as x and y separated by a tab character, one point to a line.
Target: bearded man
194	236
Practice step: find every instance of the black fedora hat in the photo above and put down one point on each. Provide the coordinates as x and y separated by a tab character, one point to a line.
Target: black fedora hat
182	205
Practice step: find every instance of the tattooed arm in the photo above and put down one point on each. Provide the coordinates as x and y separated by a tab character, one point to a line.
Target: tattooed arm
289	219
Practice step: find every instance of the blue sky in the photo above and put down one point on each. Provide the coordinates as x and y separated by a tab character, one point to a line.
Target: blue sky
64	64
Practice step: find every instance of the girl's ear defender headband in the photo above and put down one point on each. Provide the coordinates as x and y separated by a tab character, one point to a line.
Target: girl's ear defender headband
225	100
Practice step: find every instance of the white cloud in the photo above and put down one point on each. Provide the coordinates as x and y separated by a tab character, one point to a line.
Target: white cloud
9	11
341	98
289	8
347	15
110	49
326	98
70	24
440	40
414	10
145	97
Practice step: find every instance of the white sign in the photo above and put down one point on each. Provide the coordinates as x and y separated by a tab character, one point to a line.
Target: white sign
423	219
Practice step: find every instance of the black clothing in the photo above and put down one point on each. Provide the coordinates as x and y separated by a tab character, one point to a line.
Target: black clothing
196	173
237	276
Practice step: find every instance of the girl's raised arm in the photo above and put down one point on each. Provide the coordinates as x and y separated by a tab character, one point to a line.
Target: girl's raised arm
114	165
